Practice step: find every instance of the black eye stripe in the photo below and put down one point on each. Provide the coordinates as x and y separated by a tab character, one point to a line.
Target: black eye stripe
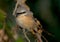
19	13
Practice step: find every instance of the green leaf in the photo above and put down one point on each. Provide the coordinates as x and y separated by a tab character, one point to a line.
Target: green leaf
2	15
19	39
1	25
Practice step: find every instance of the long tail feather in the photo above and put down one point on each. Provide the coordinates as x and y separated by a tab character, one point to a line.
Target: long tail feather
39	37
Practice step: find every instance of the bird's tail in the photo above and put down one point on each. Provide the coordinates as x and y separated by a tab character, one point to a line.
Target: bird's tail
39	39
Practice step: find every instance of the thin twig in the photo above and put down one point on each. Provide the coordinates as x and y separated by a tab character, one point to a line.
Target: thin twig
44	38
15	7
26	35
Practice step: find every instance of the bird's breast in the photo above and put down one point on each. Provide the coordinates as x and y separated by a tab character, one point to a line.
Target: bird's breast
25	21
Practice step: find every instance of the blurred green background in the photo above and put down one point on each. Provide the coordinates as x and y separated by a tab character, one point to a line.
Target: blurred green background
46	11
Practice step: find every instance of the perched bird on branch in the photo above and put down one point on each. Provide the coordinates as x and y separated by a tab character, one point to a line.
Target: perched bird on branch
25	19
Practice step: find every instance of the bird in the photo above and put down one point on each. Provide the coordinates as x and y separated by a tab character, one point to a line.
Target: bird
25	19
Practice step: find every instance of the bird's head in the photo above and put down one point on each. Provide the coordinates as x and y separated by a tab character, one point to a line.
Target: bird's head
22	11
